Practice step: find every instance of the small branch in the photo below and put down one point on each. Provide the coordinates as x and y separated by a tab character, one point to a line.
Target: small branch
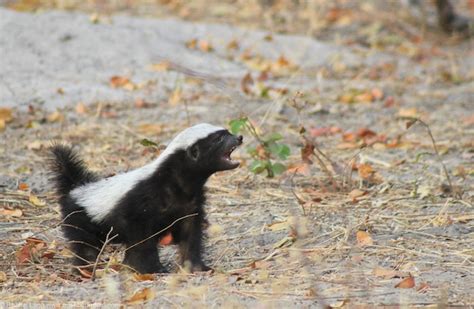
107	241
438	156
162	230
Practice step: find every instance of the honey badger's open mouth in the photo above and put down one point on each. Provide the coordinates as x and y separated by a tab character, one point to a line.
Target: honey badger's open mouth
226	157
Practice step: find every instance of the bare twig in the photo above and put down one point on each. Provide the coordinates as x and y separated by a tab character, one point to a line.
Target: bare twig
162	230
107	241
411	122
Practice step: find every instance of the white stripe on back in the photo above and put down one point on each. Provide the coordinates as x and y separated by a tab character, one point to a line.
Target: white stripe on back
99	198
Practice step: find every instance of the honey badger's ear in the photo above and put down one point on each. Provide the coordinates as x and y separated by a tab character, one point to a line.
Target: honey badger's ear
193	152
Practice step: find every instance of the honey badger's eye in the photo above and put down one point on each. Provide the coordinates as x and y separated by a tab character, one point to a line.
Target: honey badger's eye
221	139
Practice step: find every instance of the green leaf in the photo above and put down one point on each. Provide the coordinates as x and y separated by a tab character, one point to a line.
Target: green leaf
274	148
274	137
252	151
147	143
419	155
257	166
237	124
278	168
284	152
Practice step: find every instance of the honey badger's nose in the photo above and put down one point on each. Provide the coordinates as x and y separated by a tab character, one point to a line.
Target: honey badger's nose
240	138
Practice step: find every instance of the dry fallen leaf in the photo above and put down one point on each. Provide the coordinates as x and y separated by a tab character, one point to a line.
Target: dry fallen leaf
161	66
23	186
81	108
6	114
377	93
408	113
31	251
356	193
11	212
141	296
246	82
3	276
388	273
143	277
406	283
122	82
150	128
141	103
36	201
302	169
423	287
55	117
175	96
166	240
364	238
365	171
232	45
278	226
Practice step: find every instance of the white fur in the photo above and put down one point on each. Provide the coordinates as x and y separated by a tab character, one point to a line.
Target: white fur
99	198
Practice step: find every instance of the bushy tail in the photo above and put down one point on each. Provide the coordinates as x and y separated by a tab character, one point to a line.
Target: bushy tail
68	170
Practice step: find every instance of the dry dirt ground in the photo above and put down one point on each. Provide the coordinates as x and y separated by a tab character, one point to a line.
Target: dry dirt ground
394	227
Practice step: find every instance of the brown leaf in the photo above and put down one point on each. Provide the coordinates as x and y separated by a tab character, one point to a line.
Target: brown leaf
3	276
81	108
141	296
365	132
143	277
6	114
388	273
11	212
161	66
118	81
364	239
205	46
55	117
30	252
84	273
232	45
140	103
150	128
36	201
23	186
175	96
324	131
302	169
423	287
356	193
166	240
365	171
191	44
307	151
406	283
377	94
408	113
246	82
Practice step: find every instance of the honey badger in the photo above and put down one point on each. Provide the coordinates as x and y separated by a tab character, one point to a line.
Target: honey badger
141	202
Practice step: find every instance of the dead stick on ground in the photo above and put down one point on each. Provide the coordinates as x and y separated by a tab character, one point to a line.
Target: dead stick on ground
107	240
162	230
409	124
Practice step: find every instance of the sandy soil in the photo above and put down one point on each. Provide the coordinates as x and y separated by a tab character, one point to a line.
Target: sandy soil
105	82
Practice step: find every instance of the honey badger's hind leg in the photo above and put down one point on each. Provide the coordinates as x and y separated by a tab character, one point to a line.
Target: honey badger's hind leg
84	237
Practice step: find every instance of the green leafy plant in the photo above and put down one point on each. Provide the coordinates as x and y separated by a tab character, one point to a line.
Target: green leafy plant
268	151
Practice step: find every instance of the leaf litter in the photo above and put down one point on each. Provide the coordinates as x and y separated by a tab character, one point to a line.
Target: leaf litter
366	239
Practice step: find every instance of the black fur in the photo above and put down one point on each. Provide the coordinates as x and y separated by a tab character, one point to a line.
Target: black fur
174	190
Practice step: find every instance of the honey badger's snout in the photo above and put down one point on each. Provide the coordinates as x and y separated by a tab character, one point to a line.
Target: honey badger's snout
231	143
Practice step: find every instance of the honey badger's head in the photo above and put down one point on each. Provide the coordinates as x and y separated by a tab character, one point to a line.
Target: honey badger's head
206	148
213	152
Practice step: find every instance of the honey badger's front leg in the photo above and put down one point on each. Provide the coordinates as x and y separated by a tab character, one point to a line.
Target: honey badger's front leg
189	236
